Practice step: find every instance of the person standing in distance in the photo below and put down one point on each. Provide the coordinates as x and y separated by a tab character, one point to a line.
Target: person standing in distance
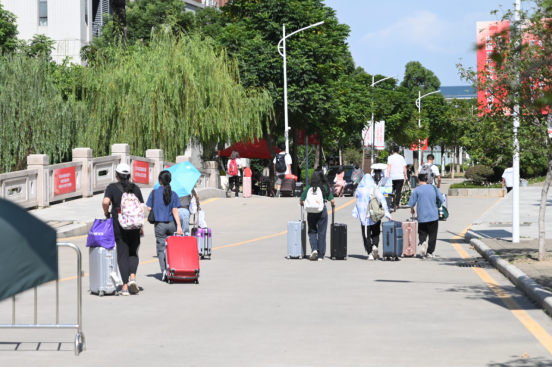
425	198
508	177
282	167
396	170
234	167
127	241
432	171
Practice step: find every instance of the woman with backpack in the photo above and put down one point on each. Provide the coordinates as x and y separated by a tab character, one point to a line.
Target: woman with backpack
127	241
314	198
234	167
165	204
370	208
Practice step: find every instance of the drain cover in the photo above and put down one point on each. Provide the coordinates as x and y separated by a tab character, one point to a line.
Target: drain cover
478	264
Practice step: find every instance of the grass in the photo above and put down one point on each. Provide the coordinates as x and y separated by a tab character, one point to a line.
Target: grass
538	179
470	185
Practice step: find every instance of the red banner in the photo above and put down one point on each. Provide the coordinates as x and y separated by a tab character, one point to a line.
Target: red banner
414	146
140	172
65	181
313	138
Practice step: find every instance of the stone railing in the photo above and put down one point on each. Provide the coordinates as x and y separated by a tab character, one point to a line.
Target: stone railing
43	184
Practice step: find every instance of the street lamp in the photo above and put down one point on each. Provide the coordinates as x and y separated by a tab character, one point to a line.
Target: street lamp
280	48
419	104
515	189
372	125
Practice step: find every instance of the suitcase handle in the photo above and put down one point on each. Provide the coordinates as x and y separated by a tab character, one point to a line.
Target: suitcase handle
176	234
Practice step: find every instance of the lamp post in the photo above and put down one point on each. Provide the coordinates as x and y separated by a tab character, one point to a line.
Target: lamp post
282	47
373	128
419	104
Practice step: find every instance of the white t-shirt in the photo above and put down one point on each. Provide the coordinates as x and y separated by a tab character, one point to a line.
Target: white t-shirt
288	162
398	164
509	176
238	162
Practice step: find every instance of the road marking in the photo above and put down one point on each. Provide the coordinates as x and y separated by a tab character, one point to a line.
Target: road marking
209	201
530	324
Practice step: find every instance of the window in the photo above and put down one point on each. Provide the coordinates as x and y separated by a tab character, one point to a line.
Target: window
43	12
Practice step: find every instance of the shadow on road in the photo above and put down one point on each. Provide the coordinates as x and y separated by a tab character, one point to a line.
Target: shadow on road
521	362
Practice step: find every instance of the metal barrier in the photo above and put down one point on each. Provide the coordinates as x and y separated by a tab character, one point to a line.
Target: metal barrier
80	344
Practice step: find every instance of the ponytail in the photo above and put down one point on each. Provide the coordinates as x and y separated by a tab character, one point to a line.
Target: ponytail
165	178
124	179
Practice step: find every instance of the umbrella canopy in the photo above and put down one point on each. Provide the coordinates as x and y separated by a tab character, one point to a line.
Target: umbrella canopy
28	251
184	178
255	149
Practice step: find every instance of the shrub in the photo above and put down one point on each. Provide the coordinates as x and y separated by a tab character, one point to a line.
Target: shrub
479	174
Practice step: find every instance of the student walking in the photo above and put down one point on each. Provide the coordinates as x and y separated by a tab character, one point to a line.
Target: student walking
508	177
234	167
432	171
340	182
357	175
165	204
318	222
425	197
396	170
184	211
127	241
370	229
282	166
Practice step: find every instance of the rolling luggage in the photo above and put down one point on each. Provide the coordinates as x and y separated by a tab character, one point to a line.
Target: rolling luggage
182	259
410	236
104	271
338	239
390	199
247	187
287	189
204	239
297	238
392	240
299	189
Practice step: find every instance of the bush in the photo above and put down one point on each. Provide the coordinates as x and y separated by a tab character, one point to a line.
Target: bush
352	155
479	174
382	155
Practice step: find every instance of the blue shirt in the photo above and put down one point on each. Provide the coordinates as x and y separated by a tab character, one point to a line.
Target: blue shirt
425	198
161	211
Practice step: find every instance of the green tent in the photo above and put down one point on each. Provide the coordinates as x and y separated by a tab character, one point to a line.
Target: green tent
28	251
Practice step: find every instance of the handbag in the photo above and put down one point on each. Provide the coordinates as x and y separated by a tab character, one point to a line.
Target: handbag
201	219
101	234
193	206
151	216
440	204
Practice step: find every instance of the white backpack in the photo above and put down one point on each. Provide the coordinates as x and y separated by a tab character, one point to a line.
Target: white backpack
131	216
314	203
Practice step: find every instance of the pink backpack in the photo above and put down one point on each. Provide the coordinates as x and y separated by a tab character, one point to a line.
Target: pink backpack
131	216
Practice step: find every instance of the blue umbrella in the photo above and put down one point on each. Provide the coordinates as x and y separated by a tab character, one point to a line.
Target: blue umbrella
184	178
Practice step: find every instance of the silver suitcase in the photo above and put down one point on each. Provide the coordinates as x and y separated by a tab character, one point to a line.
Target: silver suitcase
445	203
104	271
297	238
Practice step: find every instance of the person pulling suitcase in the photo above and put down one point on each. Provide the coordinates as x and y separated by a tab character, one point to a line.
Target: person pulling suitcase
371	207
314	198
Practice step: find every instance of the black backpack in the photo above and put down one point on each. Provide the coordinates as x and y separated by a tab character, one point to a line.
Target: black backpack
281	163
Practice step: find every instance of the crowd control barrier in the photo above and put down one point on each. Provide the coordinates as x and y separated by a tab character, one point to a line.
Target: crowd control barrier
80	344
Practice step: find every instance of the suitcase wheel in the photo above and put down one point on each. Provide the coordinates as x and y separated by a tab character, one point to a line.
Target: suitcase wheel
101	293
169	282
116	293
344	258
197	281
300	257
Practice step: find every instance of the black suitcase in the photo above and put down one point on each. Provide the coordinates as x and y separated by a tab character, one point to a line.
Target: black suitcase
287	189
338	239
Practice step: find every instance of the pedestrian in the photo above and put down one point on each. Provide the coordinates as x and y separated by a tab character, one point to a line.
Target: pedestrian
357	175
340	182
127	241
318	222
432	171
255	179
165	204
396	171
508	177
234	167
282	167
425	197
184	211
370	229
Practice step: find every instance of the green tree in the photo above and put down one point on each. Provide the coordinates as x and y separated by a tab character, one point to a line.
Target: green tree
40	46
416	77
8	30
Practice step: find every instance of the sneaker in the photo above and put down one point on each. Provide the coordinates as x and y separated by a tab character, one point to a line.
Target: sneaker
164	276
370	257
429	255
375	252
320	259
314	255
124	292
423	249
133	287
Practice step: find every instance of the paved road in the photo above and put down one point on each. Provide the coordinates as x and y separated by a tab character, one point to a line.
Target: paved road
254	307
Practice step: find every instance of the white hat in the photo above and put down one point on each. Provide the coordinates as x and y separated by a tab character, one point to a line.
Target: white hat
123	168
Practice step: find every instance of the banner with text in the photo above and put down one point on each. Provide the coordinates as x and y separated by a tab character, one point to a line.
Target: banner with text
313	138
140	172
379	138
65	181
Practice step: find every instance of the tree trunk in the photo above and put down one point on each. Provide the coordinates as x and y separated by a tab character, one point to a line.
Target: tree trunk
443	160
458	159
453	156
270	143
542	210
415	162
339	146
119	13
295	162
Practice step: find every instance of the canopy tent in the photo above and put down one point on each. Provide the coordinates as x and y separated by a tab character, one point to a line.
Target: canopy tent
256	149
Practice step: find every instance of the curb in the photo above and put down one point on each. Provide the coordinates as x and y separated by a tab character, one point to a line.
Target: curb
530	287
77	229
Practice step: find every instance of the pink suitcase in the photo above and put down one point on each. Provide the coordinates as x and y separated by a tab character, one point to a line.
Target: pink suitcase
410	236
247	187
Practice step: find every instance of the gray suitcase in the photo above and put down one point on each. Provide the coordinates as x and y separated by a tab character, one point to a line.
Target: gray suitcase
297	238
104	271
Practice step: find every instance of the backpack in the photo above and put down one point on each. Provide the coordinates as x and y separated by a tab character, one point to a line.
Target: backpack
356	176
314	203
131	215
426	169
281	166
375	209
233	168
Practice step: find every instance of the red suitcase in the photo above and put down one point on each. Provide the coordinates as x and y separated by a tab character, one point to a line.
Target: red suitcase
182	259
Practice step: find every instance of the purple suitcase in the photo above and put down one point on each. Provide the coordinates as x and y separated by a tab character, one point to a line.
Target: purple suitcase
204	241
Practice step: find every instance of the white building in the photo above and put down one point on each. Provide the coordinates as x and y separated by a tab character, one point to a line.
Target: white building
71	23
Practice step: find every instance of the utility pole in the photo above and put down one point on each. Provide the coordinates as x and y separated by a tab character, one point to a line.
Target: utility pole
419	104
372	126
515	194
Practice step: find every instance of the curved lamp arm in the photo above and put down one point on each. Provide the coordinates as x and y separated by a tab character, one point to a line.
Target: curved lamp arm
291	34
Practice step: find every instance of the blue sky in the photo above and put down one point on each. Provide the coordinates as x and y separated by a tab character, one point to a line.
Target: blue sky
386	34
